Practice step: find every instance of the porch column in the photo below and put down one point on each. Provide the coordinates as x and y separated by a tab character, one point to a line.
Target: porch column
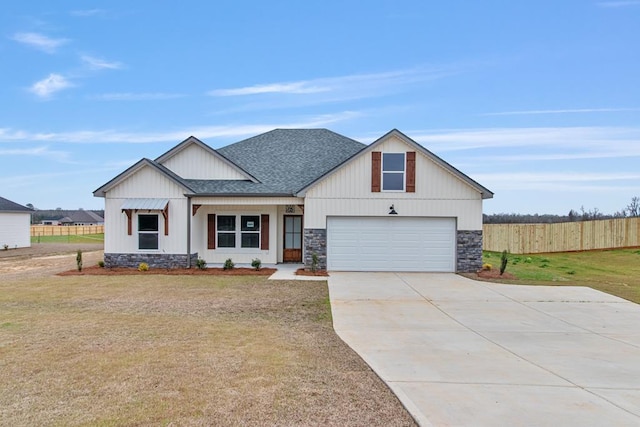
189	232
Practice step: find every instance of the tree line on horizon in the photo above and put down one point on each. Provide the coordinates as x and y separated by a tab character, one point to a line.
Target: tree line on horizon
630	211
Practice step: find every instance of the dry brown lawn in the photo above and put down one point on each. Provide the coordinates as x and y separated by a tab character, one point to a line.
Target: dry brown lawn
180	350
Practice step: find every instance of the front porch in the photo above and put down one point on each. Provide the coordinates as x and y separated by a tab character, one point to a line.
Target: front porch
244	231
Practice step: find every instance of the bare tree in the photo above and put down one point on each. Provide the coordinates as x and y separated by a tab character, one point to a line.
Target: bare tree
633	209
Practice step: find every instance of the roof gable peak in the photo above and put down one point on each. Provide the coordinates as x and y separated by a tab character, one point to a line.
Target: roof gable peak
192	140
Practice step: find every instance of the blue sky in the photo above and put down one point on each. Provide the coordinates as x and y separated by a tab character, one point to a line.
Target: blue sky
537	100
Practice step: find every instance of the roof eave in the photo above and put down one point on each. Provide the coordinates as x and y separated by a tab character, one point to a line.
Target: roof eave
240	195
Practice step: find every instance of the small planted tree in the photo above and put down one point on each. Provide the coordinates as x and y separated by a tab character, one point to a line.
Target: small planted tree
79	260
314	262
503	262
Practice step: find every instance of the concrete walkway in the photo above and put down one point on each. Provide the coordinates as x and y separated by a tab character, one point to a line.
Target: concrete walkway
466	353
288	272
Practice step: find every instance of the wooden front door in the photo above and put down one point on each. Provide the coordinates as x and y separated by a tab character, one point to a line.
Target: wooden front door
292	239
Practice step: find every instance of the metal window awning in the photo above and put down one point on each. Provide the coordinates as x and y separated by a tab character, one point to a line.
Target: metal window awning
145	204
131	205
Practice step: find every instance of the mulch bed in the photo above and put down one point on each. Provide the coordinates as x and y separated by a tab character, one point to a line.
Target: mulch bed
121	271
303	272
494	274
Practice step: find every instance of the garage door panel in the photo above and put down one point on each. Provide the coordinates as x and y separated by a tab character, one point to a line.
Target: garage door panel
391	244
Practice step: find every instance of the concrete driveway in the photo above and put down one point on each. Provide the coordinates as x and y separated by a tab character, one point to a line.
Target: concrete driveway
461	352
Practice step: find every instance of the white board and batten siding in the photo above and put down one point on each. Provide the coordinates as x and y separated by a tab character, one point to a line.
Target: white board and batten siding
439	193
195	163
145	183
391	244
15	229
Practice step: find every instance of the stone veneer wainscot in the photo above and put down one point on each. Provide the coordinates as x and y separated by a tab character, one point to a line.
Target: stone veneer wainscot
315	241
469	251
153	260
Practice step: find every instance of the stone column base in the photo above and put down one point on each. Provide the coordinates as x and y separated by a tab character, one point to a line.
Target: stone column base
315	242
469	251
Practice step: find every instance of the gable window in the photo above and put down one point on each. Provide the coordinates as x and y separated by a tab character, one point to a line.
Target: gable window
393	171
235	231
148	232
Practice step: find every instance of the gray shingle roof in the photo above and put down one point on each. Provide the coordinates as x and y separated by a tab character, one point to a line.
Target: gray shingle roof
283	160
9	206
71	215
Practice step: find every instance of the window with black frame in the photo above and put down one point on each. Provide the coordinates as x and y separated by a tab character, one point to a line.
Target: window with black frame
148	232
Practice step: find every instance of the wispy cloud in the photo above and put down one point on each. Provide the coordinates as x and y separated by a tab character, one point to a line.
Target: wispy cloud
61	156
623	3
203	132
129	96
87	12
562	111
346	87
50	85
578	139
39	41
295	87
34	180
557	181
100	64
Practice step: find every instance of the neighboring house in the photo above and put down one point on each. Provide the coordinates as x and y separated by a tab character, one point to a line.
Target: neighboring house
70	217
15	225
295	195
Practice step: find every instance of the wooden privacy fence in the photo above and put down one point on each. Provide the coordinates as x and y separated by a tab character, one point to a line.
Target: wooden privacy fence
562	237
62	230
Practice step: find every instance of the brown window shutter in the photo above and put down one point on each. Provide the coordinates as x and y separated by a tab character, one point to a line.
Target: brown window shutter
411	172
264	232
376	171
211	231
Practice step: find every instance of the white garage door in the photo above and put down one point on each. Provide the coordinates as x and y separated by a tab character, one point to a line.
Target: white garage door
391	244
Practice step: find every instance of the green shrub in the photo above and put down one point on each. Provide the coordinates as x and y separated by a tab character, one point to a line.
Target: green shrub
79	260
503	262
101	264
5	247
201	264
256	263
528	260
314	262
228	265
143	266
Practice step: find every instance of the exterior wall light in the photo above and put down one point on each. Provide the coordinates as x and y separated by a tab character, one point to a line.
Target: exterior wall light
392	210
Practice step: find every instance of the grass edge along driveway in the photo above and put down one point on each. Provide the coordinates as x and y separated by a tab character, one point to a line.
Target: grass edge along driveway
163	350
615	271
